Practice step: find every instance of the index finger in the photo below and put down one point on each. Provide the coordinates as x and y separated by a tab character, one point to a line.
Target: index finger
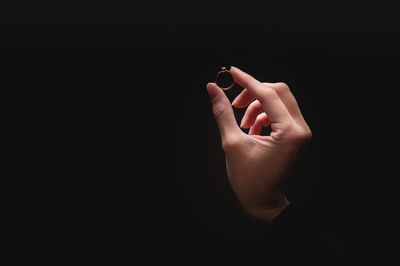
271	102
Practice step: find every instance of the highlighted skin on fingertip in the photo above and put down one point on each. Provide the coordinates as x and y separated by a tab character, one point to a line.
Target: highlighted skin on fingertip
237	70
212	90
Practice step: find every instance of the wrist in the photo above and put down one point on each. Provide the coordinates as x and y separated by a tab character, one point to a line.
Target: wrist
267	214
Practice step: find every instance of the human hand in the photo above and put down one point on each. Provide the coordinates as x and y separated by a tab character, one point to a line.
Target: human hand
258	166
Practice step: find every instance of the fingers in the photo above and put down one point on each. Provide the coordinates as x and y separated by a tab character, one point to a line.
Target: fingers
250	116
287	97
269	99
223	112
283	91
243	99
261	121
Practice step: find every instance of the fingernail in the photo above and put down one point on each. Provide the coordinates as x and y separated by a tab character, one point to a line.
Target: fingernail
234	101
242	122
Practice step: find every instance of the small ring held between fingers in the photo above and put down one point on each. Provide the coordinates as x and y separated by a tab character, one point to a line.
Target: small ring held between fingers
224	79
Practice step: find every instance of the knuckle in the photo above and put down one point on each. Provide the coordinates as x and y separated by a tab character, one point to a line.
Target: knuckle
281	87
308	134
255	106
300	134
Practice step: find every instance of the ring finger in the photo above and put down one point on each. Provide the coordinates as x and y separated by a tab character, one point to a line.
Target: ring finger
250	116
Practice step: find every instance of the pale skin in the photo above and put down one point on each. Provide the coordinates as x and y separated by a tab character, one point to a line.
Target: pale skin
258	166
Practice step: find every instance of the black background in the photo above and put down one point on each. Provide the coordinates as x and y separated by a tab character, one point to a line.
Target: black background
118	130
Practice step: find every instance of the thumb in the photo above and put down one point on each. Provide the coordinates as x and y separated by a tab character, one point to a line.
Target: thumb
223	111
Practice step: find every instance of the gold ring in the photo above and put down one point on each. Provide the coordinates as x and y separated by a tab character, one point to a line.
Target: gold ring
224	79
